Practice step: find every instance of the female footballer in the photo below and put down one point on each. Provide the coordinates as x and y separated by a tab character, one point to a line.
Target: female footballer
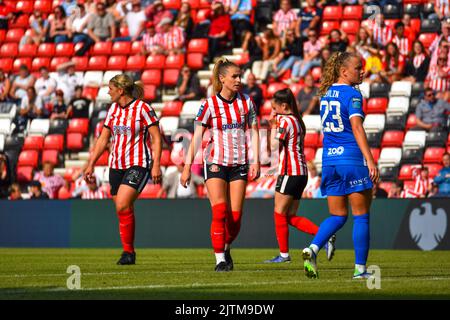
287	136
228	114
129	121
348	168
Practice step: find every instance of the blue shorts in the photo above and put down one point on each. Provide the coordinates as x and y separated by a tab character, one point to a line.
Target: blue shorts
343	180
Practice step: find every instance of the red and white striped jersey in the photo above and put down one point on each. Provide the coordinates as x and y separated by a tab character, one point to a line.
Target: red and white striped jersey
172	39
422	186
97	194
284	20
228	122
382	35
266	184
151	41
403	44
418	60
444	7
292	159
129	128
438	82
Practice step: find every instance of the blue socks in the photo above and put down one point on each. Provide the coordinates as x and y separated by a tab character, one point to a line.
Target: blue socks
361	238
329	227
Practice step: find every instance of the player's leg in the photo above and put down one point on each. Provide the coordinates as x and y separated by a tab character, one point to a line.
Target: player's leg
360	203
300	223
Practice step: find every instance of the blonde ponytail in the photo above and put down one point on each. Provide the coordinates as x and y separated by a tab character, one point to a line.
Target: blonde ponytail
220	69
138	90
132	89
331	71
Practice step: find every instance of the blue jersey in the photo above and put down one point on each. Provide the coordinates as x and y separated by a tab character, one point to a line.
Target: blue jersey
337	106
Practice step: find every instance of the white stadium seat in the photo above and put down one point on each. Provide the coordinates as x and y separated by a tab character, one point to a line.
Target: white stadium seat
318	159
109	75
374	122
390	156
103	95
2	142
401	88
93	78
5	126
398	105
415	138
8	110
39	127
365	89
169	125
312	122
190	109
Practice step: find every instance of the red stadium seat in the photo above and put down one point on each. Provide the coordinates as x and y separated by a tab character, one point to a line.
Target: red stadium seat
391	22
386	186
204	4
332	13
40	62
195	60
64	193
57	61
311	139
411	122
54	142
427	39
392	138
121	48
46	50
6	64
29	158
316	72
21	61
174	62
415	25
242	59
22	21
170	77
377	105
155	62
433	169
295	88
70	172
172	4
14	35
202	15
375	154
263	87
98	63
198	46
117	62
166	161
327	26
9	50
274	87
64	49
136	62
350	26
352	13
101	48
28	50
33	143
194	4
78	125
81	63
310	153
90	92
25	6
2	35
74	141
150	93
152	76
433	155
406	171
136	47
150	191
172	109
44	6
266	108
50	156
24	174
123	31
103	160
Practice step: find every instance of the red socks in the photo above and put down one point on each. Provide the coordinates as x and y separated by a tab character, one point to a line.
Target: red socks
219	212
303	224
233	225
126	227
282	231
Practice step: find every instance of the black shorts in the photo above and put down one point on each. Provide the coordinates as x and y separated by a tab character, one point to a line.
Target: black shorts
291	185
135	177
239	172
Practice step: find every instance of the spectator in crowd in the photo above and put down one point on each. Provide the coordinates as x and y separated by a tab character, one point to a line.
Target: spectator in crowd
445	35
317	192
90	6
431	112
423	183
36	192
271	48
101	25
396	190
69	6
402	42
67	79
59	107
151	41
378	193
337	41
5	86
157	12
39	28
373	67
439	77
417	66
308	19
252	89
442	49
363	43
252	45
45	86
441	9
184	19
219	30
307	99
135	20
265	187
442	179
93	191
79	106
14	192
51	182
311	57
21	83
172	37
313	181
325	54
6	13
381	33
31	107
240	11
284	20
171	185
58	31
289	55
188	85
78	23
5	176
393	64
410	30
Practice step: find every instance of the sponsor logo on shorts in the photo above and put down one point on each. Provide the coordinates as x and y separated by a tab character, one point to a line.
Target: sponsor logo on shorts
359	182
214	168
336	151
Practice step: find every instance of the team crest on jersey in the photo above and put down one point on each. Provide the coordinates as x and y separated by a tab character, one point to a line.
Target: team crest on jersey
281	130
200	111
356	103
214	168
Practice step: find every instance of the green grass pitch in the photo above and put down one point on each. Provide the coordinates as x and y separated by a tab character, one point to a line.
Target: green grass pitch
188	274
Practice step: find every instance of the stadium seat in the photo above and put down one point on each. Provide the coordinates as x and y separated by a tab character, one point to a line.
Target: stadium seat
385	185
51	156
316	72
70	173
375	153
411	122
392	11
407	170
6	64
136	47
27	50
78	126
390	156
172	109
93	78
2	142
46	50
170	76
155	62
274	87
57	126
44	6
430	26
202	15
40	62
374	138
312	123
108	75
310	153
417	89
33	143
318	160
103	160
195	60
39	127
415	139
379	90
393	138
22	22
395	121
401	88
350	27
436	138
101	48
152	76
74	141
427	39
166	160
57	61
64	49
413	10
25	6
64	193
311	139
169	125
14	35
29	158
352	12
135	63
174	62
172	4
150	191
388	173
117	62
266	108
198	46
90	92
54	142
21	61
412	155
242	58
150	92
14	142
25	174
2	35
327	26
374	122
190	108
365	89
433	155
332	13
81	63
377	105
398	105
433	169
98	63
121	48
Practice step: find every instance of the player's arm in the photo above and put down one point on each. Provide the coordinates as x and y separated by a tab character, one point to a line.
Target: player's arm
99	147
156	152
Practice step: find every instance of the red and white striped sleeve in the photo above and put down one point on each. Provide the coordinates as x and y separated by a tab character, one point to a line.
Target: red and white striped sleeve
109	116
149	116
204	114
282	129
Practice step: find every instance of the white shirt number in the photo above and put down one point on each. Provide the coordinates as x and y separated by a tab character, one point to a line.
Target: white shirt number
329	126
